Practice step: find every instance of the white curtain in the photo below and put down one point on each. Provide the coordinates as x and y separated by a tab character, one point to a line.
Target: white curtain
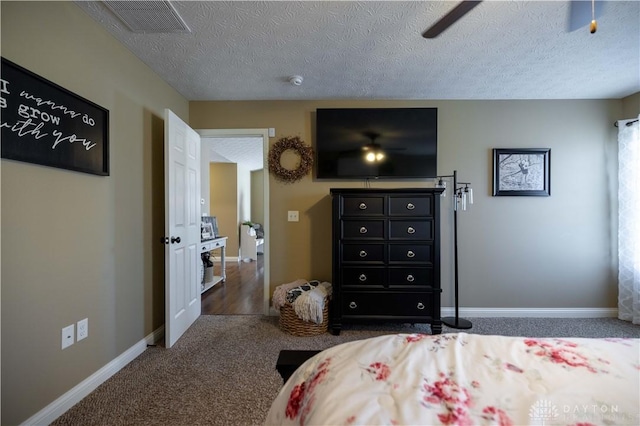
629	221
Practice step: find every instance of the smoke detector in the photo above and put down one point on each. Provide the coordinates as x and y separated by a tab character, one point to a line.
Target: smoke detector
295	80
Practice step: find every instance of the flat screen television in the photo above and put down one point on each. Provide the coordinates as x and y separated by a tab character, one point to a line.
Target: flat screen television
376	143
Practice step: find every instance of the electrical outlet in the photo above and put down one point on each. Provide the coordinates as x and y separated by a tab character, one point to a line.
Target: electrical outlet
292	216
83	329
68	336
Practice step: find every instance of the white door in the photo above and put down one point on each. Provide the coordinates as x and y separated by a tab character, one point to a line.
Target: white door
182	226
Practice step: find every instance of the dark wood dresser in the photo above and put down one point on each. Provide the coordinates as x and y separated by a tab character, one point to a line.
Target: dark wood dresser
386	256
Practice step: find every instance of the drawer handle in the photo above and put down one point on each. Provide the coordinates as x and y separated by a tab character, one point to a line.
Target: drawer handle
410	278
410	206
411	230
410	254
362	277
363	253
362	206
363	230
420	306
353	305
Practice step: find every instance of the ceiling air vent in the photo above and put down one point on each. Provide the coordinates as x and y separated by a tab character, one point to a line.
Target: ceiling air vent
148	16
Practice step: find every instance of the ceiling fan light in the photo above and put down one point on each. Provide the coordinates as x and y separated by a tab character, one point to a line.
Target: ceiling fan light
370	157
379	156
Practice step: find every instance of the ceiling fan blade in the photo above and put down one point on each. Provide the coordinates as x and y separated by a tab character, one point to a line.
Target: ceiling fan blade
450	18
580	13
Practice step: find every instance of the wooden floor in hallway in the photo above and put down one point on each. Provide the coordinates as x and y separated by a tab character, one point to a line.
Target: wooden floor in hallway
241	293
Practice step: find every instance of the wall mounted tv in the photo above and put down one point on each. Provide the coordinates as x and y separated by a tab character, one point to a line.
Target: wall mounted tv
376	143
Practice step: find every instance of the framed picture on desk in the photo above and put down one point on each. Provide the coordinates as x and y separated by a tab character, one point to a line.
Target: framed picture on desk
206	231
213	222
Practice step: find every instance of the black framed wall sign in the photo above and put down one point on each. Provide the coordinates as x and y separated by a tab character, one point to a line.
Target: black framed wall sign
522	171
46	124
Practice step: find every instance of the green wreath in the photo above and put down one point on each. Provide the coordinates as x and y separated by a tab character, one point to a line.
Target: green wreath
295	144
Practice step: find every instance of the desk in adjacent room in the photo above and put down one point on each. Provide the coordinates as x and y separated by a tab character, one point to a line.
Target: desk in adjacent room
210	245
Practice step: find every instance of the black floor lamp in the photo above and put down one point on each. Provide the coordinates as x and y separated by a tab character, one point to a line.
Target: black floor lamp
462	196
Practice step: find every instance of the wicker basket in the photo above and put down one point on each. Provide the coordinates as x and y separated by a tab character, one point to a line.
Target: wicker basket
292	324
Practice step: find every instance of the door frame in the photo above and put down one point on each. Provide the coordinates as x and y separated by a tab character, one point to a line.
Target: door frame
264	134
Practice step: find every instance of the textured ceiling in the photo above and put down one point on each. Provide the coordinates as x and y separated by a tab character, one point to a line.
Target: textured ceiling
374	50
246	151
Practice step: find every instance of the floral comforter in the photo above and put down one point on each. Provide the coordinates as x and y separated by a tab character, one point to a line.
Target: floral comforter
465	379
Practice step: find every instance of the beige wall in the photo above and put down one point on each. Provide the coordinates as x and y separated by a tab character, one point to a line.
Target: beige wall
75	245
631	106
515	252
244	194
224	203
257	196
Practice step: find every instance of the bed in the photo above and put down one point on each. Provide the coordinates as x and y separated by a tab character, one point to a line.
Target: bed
465	379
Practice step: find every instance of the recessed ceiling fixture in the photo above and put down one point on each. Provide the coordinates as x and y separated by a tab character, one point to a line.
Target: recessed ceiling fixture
148	16
296	80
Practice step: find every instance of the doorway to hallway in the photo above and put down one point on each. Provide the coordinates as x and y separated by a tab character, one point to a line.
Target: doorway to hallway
242	292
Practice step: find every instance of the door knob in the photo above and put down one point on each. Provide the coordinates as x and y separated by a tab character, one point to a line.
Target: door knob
164	240
175	240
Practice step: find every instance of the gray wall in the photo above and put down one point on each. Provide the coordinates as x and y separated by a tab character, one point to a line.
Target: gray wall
75	245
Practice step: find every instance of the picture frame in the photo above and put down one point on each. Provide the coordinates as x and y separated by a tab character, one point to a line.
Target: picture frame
206	231
522	172
44	123
213	222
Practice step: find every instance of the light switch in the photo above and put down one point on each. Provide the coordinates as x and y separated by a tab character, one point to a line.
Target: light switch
292	216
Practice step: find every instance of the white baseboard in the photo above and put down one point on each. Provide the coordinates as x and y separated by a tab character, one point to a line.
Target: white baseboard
520	312
60	406
532	312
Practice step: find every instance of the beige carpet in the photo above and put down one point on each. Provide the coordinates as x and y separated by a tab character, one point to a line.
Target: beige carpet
222	371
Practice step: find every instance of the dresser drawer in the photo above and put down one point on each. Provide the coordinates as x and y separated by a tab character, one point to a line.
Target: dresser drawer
362	229
411	206
363	276
387	303
414	253
411	277
411	229
363	253
362	206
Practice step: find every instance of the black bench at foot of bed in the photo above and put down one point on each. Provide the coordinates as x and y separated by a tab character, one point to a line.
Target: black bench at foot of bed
289	361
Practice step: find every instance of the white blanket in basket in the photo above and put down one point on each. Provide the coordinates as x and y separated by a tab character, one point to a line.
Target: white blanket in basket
310	304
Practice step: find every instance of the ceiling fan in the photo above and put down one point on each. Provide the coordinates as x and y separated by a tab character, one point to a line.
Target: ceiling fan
579	15
583	12
450	18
